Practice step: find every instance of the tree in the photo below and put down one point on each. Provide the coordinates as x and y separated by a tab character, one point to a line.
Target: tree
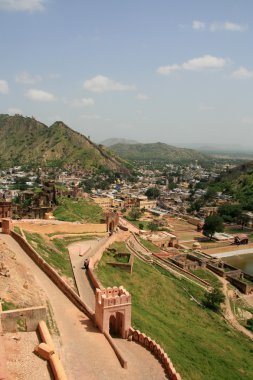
230	213
134	214
243	219
213	299
152	193
153	226
213	223
141	226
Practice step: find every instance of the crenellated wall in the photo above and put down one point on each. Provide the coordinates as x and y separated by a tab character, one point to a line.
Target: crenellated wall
113	310
157	351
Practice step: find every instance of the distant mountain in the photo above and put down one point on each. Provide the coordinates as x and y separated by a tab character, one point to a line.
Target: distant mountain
157	151
113	141
24	140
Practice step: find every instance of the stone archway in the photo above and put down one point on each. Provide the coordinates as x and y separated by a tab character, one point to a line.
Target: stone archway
113	311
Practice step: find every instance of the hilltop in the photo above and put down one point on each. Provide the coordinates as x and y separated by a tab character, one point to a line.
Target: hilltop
157	152
115	140
24	140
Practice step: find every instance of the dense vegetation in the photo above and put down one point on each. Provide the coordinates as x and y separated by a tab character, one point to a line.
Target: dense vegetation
200	343
238	182
24	140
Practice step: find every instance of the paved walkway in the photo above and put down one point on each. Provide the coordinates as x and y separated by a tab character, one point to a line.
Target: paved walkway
78	252
84	351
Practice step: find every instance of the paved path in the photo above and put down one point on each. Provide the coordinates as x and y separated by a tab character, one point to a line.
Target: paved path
78	252
84	351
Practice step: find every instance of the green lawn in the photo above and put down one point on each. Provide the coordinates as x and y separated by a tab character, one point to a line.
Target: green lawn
150	246
84	211
206	275
198	341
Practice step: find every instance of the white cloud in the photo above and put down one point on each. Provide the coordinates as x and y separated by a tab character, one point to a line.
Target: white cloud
242	73
26	78
40	96
102	83
206	62
198	25
227	26
247	120
14	111
84	102
4	88
22	5
142	96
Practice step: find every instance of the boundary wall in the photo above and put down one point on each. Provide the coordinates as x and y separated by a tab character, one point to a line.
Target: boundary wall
3	370
30	316
47	228
157	351
54	276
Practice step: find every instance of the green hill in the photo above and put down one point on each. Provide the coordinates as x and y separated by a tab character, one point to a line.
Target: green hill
24	140
238	182
156	152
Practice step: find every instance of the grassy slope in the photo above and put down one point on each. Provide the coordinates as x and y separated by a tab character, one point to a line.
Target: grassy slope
78	211
59	261
200	344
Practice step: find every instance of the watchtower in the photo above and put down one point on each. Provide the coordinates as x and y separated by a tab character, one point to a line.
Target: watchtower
113	311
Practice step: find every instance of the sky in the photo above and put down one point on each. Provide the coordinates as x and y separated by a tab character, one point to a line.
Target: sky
175	71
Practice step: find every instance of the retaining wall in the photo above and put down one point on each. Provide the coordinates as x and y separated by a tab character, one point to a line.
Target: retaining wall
30	317
54	276
157	351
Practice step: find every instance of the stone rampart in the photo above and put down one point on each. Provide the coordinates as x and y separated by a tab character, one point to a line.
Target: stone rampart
62	228
3	370
53	275
29	318
157	351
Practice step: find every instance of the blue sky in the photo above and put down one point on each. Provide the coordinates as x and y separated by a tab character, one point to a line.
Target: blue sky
176	71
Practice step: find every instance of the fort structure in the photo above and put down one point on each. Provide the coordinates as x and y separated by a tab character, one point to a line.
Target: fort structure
112	220
5	209
113	311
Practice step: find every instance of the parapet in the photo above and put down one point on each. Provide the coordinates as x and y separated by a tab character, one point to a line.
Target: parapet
112	296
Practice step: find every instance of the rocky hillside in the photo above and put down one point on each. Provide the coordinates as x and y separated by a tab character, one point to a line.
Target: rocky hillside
24	140
157	151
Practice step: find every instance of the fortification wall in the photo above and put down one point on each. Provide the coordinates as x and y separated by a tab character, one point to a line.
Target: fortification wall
53	275
157	351
51	227
3	370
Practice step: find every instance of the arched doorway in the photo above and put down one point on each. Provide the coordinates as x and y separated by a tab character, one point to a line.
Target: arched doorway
111	226
116	325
